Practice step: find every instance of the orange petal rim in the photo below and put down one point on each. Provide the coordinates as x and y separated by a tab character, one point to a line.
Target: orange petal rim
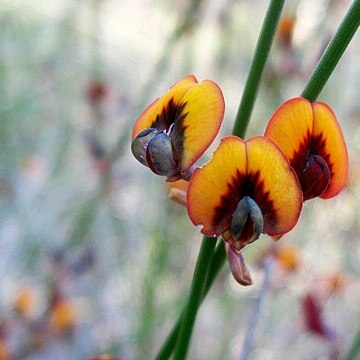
329	143
191	113
302	129
203	108
208	200
276	189
255	168
161	107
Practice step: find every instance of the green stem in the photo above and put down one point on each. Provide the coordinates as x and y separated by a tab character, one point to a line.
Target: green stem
355	348
197	288
217	262
333	52
257	66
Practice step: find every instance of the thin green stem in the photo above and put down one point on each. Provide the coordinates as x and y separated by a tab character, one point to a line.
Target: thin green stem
333	52
197	288
257	66
217	263
355	348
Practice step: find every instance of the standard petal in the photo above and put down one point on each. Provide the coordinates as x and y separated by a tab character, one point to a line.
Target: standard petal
328	142
214	190
273	185
290	128
157	114
202	111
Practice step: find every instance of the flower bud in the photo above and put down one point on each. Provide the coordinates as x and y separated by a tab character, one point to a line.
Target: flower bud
238	267
316	177
159	155
140	144
247	222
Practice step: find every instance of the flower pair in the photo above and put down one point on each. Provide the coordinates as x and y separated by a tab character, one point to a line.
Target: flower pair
248	187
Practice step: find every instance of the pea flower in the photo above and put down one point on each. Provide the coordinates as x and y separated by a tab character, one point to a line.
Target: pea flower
246	189
310	136
176	129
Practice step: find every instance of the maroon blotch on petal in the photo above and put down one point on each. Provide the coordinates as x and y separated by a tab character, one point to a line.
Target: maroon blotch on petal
315	177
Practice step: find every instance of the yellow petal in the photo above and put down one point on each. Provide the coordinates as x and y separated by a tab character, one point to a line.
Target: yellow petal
275	187
175	94
203	111
213	193
290	128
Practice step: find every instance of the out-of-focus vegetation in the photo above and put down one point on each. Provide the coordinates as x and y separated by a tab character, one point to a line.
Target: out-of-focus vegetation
94	258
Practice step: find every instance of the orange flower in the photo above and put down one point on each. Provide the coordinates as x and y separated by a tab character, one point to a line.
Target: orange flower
287	257
4	351
286	29
62	317
310	136
176	129
24	301
246	189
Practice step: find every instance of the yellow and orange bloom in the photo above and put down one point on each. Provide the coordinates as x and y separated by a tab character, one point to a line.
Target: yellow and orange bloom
176	129
63	316
288	257
24	302
246	189
4	351
310	136
286	29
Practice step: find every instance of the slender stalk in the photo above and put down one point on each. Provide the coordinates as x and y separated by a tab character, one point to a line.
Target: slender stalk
217	262
355	348
333	52
197	288
254	317
257	66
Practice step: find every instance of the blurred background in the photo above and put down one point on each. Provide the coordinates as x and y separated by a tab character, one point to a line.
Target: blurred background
94	257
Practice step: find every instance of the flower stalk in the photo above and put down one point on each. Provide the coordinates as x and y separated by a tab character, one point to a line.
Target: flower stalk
197	287
262	51
333	53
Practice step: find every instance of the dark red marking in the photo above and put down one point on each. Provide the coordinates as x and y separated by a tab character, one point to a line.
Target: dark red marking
298	161
246	185
312	165
173	115
313	317
315	177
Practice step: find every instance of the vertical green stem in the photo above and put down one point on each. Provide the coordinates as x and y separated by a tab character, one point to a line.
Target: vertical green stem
217	262
355	348
333	52
197	288
257	66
